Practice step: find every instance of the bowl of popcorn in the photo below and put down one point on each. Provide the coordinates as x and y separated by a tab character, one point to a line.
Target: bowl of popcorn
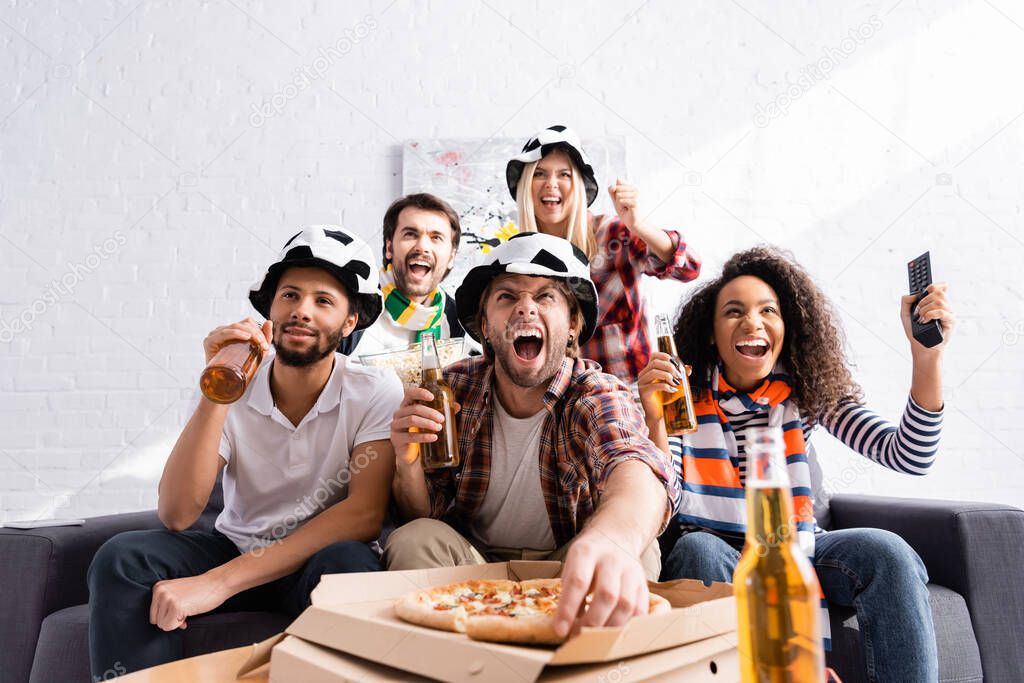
406	361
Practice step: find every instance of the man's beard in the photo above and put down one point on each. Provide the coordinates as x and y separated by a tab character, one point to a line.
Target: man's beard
314	353
554	352
413	293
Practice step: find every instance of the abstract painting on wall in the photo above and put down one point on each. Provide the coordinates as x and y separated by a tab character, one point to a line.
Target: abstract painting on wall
470	175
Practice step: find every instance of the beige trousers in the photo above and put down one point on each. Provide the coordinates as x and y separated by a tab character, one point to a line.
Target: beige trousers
426	543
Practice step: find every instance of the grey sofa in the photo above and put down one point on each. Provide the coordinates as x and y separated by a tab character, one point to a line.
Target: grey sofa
44	629
974	553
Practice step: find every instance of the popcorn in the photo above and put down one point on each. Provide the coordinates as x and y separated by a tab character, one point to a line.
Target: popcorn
406	362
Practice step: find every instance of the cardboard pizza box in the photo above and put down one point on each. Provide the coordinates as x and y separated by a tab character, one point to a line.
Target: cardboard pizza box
713	660
353	615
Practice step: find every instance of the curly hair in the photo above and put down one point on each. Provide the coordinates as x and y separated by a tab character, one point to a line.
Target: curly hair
812	352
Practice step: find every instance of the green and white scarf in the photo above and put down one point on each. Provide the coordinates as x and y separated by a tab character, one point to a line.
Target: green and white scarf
409	314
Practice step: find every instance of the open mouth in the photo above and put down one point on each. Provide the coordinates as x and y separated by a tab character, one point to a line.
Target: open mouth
527	344
551	201
419	267
752	348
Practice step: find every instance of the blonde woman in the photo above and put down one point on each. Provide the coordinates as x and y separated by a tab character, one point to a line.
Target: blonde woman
553	183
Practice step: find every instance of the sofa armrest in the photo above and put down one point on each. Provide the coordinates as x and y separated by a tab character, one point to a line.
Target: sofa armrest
43	570
976	549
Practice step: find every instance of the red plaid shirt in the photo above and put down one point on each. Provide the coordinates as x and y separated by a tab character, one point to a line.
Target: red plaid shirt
593	425
621	343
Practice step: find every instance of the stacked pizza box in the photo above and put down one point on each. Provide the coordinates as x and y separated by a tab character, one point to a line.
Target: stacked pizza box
352	633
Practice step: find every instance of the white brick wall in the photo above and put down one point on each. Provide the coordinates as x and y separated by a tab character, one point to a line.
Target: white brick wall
138	199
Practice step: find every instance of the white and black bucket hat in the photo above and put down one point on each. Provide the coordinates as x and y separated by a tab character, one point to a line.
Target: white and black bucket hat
546	141
530	253
339	252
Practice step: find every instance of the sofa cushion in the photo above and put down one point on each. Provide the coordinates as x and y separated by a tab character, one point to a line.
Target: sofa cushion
959	658
62	653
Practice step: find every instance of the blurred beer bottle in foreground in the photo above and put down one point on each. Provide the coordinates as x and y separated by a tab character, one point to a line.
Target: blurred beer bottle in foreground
229	372
777	594
445	451
678	410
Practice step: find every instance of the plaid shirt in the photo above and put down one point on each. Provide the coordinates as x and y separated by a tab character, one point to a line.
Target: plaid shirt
621	343
593	425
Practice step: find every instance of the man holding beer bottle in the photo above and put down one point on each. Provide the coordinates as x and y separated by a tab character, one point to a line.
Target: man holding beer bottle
554	460
306	460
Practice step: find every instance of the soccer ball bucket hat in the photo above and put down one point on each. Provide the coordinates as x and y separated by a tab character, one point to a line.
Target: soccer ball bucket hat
337	251
530	253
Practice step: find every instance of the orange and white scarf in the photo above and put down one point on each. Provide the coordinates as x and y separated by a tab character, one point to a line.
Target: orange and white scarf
714	497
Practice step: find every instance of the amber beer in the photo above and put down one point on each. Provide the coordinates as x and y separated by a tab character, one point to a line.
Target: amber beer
678	408
777	597
445	451
229	372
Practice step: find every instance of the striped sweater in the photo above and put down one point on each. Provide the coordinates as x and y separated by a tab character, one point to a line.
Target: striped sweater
909	447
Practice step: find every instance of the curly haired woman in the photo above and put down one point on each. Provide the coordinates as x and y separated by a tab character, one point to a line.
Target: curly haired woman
765	348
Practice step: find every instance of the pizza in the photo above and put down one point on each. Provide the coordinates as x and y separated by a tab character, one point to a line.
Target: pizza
495	610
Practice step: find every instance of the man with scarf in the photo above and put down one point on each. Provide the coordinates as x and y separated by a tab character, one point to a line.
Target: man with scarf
421	239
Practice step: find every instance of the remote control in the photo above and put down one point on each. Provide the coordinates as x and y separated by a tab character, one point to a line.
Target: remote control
929	333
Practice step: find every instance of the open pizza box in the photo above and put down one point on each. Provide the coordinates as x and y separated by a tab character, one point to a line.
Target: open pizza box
352	633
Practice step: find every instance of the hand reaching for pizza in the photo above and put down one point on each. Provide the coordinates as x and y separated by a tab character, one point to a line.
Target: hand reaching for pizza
497	610
595	564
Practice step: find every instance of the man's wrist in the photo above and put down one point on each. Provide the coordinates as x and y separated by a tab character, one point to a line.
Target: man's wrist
212	408
220	578
409	470
597	537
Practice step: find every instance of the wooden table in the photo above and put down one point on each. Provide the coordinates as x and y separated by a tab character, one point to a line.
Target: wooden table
216	667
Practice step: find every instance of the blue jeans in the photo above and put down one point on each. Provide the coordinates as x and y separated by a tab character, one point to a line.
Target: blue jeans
124	569
871	570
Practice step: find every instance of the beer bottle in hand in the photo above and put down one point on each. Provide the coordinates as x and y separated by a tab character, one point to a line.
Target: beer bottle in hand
678	409
229	372
777	594
445	451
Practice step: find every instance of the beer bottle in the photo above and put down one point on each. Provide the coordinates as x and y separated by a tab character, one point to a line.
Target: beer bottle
445	451
229	372
777	595
678	408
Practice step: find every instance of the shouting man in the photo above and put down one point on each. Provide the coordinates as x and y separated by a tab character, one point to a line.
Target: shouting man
555	461
421	239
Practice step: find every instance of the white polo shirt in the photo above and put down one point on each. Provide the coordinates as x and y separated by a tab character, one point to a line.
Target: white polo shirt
279	475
